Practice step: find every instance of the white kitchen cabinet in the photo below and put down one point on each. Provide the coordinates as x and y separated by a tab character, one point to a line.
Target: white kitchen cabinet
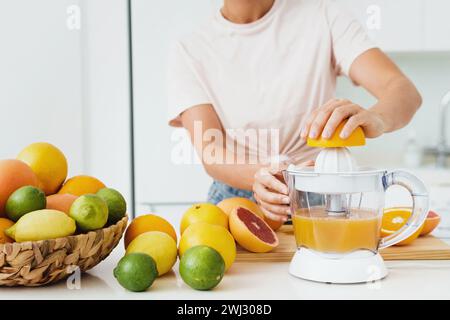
395	25
405	25
436	25
64	80
40	79
159	179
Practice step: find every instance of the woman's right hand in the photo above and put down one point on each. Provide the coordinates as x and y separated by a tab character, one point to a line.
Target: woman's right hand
271	192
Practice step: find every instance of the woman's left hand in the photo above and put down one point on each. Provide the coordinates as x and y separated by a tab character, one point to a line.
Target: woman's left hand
324	120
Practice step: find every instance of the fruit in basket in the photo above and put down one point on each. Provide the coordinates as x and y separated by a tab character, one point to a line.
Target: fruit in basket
431	222
117	206
90	212
202	268
42	225
394	219
82	184
136	272
158	245
48	163
214	236
61	202
5	224
146	223
251	232
203	212
24	200
13	175
229	204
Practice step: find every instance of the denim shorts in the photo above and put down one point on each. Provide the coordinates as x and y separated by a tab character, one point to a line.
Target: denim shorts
220	191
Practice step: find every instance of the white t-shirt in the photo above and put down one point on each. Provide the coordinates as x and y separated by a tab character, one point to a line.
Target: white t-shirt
269	73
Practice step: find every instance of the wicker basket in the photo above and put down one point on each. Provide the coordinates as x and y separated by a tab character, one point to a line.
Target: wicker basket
36	263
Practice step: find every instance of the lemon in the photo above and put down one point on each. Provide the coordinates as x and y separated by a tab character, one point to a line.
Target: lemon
357	138
42	225
204	212
90	212
210	235
158	245
48	163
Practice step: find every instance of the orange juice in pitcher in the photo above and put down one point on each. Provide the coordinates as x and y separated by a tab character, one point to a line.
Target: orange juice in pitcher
316	230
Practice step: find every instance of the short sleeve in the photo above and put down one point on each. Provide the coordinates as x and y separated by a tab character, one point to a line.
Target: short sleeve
184	85
349	38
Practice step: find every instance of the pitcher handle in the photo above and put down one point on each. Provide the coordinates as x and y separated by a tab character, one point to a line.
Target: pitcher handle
419	194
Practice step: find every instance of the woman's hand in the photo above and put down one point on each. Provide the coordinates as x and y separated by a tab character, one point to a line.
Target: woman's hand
271	192
324	120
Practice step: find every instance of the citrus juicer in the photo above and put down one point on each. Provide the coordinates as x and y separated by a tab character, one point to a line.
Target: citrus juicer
336	209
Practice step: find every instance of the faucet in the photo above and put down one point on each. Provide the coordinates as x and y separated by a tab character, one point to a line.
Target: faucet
442	150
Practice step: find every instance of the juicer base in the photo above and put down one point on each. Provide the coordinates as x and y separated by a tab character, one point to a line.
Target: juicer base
356	267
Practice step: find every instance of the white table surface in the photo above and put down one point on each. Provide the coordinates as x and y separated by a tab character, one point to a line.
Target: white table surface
406	280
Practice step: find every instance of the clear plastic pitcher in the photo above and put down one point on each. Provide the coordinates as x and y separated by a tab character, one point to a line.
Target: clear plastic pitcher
339	213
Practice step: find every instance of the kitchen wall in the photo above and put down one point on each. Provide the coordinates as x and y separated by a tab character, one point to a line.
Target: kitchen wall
430	71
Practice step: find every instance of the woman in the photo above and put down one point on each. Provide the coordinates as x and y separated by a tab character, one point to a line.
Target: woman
272	65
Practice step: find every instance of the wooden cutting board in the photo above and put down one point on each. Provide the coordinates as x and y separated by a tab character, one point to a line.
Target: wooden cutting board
424	248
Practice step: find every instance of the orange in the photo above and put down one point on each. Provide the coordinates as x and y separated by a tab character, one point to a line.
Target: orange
273	224
146	223
204	212
394	219
252	232
14	174
357	138
48	163
431	222
5	224
228	205
80	185
60	202
211	235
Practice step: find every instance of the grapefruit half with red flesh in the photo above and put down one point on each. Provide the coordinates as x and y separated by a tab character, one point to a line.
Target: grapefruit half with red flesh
251	232
431	222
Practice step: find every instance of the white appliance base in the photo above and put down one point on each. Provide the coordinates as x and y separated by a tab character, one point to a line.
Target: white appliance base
356	267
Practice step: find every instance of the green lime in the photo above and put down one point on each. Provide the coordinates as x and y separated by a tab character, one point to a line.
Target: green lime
202	267
23	201
90	212
136	271
117	206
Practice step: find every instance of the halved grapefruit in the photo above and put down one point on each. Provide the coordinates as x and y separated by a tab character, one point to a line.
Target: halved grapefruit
229	204
251	232
431	222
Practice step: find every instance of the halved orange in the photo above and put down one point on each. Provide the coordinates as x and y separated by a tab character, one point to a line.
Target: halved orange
394	219
357	138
